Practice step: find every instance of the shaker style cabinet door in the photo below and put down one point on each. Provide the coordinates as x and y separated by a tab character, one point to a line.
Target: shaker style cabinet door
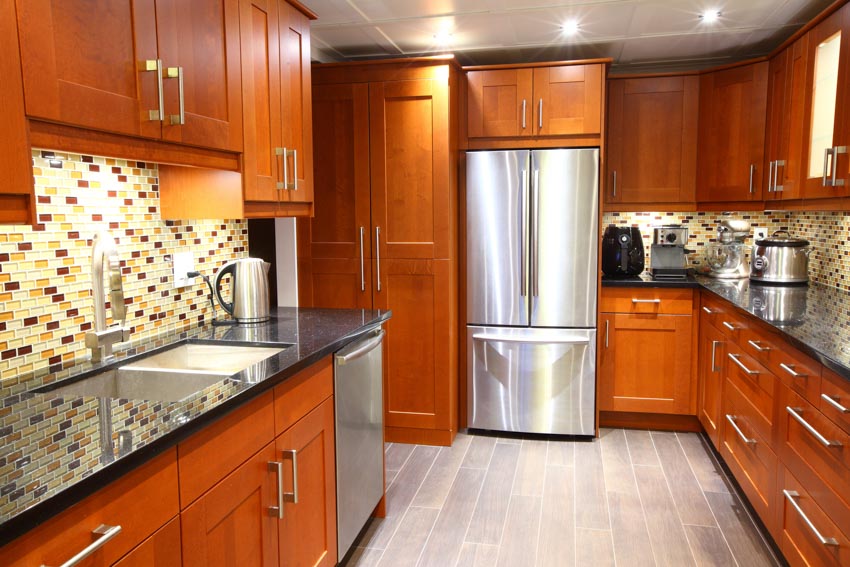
499	103
568	100
712	354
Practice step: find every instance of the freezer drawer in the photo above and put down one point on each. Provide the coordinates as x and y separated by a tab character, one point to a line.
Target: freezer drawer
532	380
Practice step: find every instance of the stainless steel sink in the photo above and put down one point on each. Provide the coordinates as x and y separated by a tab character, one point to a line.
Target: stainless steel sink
228	359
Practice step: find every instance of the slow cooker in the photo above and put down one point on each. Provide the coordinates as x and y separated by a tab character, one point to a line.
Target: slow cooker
780	259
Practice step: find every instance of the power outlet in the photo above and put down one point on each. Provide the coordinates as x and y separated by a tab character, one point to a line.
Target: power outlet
760	233
183	263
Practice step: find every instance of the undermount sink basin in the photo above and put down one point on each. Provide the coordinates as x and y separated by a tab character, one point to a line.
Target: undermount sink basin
168	376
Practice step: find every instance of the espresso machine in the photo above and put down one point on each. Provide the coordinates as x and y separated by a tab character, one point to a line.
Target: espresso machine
668	258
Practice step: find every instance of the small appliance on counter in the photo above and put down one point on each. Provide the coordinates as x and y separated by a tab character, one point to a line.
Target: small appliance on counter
780	259
668	258
727	257
622	252
249	290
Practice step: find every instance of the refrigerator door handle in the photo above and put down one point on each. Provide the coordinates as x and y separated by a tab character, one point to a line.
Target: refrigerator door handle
523	284
543	340
535	232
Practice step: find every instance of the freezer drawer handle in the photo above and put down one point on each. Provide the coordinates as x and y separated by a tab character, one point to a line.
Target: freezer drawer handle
362	351
795	413
646	301
790	495
834	402
538	341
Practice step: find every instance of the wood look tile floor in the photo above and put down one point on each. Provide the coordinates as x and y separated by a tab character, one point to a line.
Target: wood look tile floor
628	498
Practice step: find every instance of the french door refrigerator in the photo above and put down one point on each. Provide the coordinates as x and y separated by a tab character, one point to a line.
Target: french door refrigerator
531	256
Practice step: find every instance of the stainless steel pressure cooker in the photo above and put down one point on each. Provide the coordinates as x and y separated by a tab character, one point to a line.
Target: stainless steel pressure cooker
780	259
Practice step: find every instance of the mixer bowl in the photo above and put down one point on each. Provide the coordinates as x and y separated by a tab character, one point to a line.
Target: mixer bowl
727	260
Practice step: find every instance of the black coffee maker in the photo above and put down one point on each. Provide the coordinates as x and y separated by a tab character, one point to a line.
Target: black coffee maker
622	251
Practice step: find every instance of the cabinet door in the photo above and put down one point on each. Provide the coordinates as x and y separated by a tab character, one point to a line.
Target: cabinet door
733	107
825	157
308	529
231	524
568	100
338	283
162	549
420	357
712	354
652	136
646	363
499	103
409	141
261	91
199	46
296	107
341	196
83	63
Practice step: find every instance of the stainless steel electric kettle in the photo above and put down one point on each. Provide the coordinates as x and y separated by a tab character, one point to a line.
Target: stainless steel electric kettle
249	289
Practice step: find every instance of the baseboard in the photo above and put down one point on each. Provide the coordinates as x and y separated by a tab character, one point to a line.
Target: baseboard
656	421
439	437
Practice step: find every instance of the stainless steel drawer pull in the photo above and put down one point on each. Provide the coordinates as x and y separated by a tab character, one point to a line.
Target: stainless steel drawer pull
730	326
713	352
735	359
646	301
277	511
789	368
795	413
834	402
292	496
790	495
708	311
523	113
757	345
744	438
105	532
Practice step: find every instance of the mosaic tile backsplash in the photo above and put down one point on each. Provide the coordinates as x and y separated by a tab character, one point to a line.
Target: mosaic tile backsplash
828	233
45	271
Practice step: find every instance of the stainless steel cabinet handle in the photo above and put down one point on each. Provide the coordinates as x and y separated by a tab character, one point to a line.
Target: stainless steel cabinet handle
708	311
752	173
790	370
730	326
645	300
540	114
286	184
277	511
734	358
177	73
535	233
362	351
607	324
744	438
615	184
713	351
757	345
523	113
795	413
105	532
283	153
776	186
292	496
790	495
156	65
834	402
362	272
543	340
826	153
378	255
835	151
770	176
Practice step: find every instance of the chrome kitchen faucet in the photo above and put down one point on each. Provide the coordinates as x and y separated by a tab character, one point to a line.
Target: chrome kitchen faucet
100	340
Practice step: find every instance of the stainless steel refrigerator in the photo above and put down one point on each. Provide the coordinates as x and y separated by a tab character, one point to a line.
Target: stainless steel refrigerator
531	257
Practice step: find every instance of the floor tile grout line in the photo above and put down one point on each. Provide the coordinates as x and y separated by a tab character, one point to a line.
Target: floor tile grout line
478	498
640	498
510	497
675	507
540	512
607	500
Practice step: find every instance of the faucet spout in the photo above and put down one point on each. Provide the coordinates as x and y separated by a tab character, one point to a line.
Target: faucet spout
105	257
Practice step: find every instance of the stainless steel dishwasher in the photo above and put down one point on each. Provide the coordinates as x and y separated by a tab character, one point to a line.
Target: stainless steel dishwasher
359	405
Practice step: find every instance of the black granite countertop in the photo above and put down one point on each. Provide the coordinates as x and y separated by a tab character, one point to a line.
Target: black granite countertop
51	455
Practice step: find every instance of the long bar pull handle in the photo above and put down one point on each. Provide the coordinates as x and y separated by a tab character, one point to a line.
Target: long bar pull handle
607	324
524	237
826	153
708	311
735	359
292	496
789	368
646	300
744	438
521	339
730	326
177	73
105	532
790	495
770	176
713	351
378	255
777	188
757	345
367	347
277	511
615	184
795	413
835	151
294	170
834	402
523	113
752	173
362	272
535	234
283	152
156	65
540	114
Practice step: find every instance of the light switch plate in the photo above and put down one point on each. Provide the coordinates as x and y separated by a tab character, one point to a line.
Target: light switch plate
183	262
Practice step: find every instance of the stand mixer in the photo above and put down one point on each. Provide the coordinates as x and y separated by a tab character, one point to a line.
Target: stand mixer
727	257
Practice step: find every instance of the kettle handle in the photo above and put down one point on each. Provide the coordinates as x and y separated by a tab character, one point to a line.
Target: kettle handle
228	268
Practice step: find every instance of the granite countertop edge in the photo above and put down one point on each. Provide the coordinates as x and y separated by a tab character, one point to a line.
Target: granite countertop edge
31	517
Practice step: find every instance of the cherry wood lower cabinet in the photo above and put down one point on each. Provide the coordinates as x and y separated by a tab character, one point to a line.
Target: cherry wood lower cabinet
162	549
712	362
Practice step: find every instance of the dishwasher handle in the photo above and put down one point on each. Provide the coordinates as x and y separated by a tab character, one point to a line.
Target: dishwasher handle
361	351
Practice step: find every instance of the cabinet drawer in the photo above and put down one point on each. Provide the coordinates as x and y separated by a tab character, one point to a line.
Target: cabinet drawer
818	453
647	300
716	311
297	397
835	398
747	452
807	535
140	502
756	385
795	369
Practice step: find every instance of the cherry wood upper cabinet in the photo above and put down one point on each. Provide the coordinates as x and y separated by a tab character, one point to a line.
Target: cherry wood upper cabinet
568	100
652	140
785	115
826	130
730	149
157	69
499	103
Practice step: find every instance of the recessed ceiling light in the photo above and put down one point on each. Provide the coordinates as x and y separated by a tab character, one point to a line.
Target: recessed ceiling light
443	38
570	27
710	16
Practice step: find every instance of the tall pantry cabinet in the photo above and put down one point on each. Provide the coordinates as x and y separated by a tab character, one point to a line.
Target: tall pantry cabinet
384	234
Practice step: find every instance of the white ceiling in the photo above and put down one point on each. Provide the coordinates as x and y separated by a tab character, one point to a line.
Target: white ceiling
640	35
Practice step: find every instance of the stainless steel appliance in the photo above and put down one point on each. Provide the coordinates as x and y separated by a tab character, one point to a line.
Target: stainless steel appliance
249	289
781	259
622	251
727	257
359	421
668	258
780	304
532	265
